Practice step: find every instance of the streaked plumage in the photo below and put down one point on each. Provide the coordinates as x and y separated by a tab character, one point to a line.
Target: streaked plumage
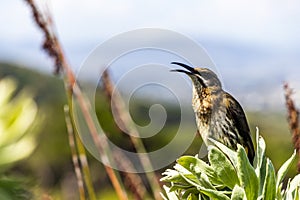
218	114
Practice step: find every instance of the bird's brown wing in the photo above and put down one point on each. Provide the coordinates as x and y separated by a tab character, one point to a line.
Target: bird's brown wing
235	112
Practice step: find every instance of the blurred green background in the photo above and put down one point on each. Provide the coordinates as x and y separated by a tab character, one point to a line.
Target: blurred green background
50	170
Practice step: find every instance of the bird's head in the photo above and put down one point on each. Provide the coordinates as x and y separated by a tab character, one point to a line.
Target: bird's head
201	77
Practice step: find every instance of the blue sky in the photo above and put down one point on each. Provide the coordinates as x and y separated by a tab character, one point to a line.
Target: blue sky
255	44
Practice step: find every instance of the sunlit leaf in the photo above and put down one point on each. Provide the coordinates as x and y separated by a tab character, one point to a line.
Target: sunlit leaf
284	169
260	152
269	188
295	184
232	155
214	194
197	166
247	175
170	195
238	193
223	167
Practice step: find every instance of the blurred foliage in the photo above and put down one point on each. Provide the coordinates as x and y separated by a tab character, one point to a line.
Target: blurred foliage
229	175
17	139
51	166
13	189
16	117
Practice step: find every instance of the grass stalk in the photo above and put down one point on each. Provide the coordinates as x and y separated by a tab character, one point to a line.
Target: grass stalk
78	150
74	154
85	168
53	48
124	119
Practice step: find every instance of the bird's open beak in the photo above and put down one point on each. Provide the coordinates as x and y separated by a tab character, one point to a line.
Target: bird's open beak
190	72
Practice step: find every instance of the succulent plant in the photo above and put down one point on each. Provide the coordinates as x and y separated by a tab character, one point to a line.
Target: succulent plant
229	175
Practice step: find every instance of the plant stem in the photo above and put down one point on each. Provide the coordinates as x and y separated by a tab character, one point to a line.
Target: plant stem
54	49
74	153
126	122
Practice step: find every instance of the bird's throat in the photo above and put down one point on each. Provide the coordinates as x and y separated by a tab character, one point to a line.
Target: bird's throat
202	101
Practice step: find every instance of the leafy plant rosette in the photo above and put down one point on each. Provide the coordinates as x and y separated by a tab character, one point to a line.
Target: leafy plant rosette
229	175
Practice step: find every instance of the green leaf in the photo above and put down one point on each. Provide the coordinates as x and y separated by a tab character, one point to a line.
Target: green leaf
204	181
269	189
223	167
260	151
17	151
192	197
238	193
297	193
213	194
172	176
18	119
232	155
189	191
295	183
260	161
247	175
191	179
201	182
197	166
182	169
170	195
262	175
284	169
203	197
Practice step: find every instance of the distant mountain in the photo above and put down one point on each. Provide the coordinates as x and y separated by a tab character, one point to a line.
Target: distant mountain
253	74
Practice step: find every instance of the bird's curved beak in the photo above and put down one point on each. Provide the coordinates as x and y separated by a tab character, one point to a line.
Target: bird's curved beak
191	71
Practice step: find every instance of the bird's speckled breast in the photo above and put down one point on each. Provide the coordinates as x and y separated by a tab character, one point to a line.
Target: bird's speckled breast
202	105
202	102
